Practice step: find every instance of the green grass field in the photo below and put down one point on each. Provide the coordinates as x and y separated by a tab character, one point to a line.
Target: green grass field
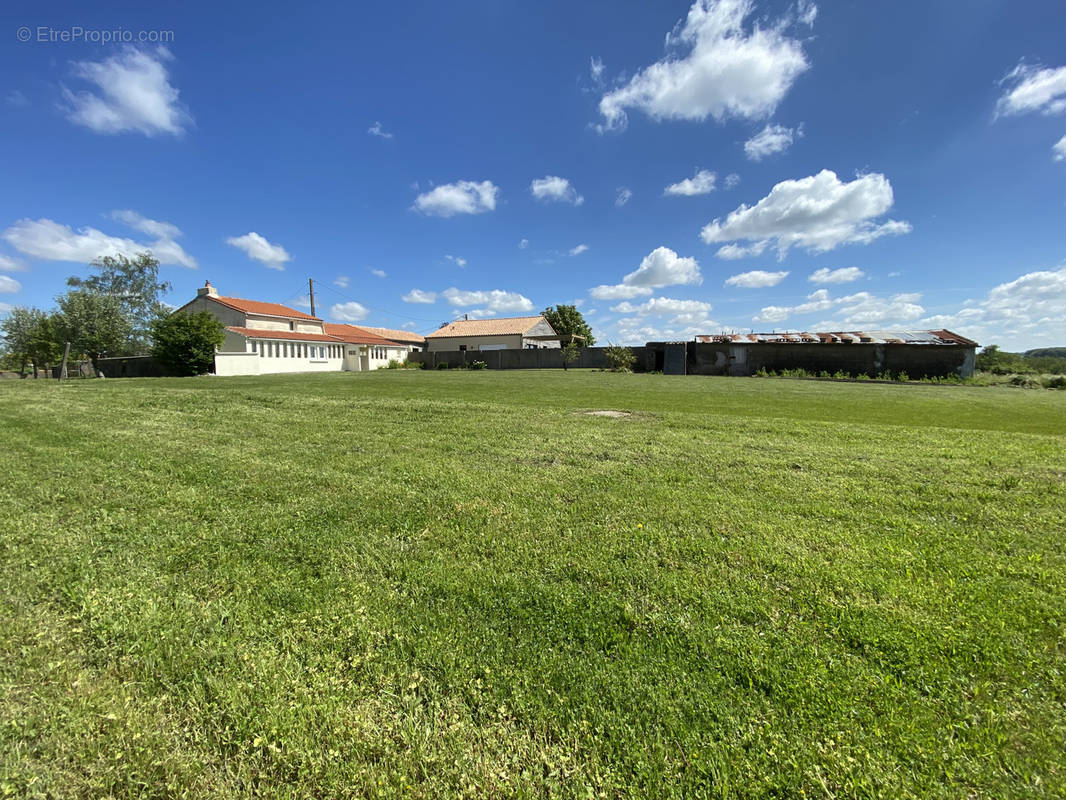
432	584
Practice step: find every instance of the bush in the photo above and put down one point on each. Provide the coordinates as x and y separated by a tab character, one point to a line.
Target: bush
1058	382
394	364
186	343
619	359
442	365
478	365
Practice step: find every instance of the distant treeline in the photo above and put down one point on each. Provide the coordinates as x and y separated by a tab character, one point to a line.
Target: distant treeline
1046	352
1041	361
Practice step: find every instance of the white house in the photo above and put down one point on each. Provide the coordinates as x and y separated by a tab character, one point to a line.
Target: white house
364	350
504	333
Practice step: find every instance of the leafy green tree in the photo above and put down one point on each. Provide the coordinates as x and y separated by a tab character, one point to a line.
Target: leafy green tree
567	320
135	283
186	343
570	354
95	324
31	335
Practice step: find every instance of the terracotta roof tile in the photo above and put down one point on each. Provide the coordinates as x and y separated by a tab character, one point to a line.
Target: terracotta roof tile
397	335
503	326
354	335
292	336
256	307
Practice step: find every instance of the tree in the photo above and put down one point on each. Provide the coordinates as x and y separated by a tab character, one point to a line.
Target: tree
567	321
93	323
186	343
30	335
135	284
570	354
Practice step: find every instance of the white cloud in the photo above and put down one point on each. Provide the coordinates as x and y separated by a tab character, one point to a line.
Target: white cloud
409	325
258	248
732	180
680	319
348	312
160	230
1059	149
51	241
618	292
8	264
379	273
461	197
663	306
624	195
459	261
842	275
734	252
771	140
806	11
701	183
817	213
132	93
377	130
576	251
17	99
5	307
862	309
1033	88
596	69
496	300
1029	311
341	281
772	314
9	285
552	188
523	244
756	279
723	70
661	267
418	296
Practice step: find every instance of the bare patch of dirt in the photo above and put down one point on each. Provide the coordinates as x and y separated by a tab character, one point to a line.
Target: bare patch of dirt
608	412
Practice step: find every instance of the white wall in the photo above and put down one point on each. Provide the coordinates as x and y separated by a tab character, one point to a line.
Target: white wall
236	364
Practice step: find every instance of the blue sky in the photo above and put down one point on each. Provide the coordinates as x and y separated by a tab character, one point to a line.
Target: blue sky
673	168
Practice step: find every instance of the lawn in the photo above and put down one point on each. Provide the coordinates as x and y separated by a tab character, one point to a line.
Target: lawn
433	584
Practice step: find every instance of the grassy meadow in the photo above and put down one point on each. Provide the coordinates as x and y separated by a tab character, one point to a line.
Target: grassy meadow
444	584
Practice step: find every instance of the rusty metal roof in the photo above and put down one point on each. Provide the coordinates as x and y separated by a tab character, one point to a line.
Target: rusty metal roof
940	337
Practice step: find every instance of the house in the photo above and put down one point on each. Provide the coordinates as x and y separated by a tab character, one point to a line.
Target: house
505	333
266	338
365	350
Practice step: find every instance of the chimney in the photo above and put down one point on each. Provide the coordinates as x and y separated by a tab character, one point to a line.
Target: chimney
207	291
466	317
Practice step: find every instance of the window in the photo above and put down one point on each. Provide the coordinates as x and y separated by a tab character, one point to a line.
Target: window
462	347
253	346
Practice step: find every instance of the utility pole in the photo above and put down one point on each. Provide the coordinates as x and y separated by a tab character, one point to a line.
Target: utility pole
311	287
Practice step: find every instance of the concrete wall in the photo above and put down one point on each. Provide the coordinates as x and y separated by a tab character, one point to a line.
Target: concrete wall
588	358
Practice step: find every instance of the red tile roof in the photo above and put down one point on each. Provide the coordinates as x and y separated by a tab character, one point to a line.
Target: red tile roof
353	335
397	335
256	307
502	326
292	336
